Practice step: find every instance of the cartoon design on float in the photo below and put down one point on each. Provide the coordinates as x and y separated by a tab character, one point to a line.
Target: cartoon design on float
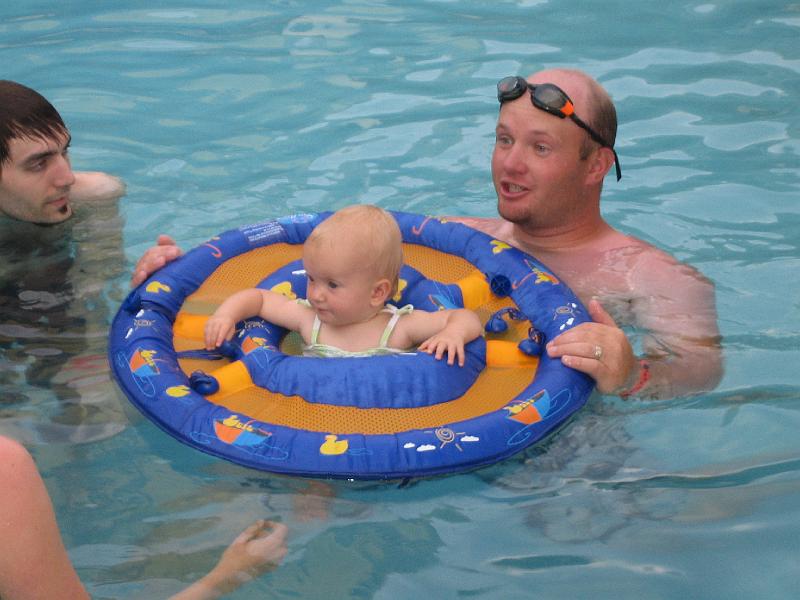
181	394
446	436
156	287
252	339
443	299
253	342
536	409
246	436
333	446
178	391
401	285
418	230
232	430
567	309
284	288
498	246
215	252
541	276
527	411
143	367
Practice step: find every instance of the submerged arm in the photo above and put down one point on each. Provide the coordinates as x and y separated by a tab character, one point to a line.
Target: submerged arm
682	344
258	549
674	306
34	563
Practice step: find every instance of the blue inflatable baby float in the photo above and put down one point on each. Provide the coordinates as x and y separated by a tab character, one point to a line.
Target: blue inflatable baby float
257	403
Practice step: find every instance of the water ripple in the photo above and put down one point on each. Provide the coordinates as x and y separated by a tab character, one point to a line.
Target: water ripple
738	478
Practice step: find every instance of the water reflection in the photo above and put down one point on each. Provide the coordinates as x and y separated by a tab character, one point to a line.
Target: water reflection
54	294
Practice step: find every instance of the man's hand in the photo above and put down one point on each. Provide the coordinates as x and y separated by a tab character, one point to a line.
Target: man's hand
599	349
165	251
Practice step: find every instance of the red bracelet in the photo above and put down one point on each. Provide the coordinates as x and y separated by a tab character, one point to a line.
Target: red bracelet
644	377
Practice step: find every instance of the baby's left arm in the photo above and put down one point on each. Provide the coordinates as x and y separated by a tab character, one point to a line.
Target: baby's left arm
445	331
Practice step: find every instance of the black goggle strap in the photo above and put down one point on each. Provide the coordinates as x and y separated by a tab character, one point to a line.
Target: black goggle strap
511	88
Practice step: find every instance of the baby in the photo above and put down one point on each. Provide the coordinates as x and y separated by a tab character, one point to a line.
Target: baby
352	261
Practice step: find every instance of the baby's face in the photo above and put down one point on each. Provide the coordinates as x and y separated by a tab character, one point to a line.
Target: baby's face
340	289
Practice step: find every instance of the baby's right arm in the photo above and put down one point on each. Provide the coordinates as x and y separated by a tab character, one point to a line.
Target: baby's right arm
268	305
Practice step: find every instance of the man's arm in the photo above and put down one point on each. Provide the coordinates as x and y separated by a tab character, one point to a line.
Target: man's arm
34	563
258	549
33	560
677	311
674	308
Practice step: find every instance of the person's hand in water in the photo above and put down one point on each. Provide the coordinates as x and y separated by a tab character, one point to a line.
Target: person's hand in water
600	349
155	257
258	549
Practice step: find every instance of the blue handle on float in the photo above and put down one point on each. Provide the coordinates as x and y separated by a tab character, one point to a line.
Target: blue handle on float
229	350
496	323
203	383
499	284
533	345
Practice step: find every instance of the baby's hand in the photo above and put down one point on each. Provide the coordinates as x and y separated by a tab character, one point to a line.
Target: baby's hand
442	342
218	329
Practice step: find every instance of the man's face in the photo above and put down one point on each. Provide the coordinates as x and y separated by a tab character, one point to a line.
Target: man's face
36	179
536	166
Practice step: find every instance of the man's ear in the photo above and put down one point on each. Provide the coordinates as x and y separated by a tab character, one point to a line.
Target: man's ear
600	161
380	292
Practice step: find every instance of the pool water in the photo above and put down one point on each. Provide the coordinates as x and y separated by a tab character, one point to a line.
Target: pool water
220	114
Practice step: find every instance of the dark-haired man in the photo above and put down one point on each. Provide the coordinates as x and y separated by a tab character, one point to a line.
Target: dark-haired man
37	183
60	239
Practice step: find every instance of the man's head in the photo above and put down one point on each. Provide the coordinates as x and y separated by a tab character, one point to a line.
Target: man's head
548	170
35	173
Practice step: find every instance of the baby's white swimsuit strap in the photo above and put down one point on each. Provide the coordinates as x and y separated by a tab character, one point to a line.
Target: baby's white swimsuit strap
315	329
396	314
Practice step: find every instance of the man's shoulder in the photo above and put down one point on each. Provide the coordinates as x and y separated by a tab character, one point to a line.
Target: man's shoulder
96	186
653	268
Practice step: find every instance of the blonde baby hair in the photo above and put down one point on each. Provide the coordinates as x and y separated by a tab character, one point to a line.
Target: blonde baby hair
371	232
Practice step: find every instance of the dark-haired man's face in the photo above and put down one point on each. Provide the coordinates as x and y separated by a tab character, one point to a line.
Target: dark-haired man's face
36	179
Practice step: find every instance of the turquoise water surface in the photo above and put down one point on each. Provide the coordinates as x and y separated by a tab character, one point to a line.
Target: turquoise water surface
218	114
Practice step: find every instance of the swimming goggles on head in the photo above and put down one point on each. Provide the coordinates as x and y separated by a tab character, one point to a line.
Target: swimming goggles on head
551	99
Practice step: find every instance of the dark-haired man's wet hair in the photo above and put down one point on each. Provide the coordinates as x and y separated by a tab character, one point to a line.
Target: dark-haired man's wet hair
25	113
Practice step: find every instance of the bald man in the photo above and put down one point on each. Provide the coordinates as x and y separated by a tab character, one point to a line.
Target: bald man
555	138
